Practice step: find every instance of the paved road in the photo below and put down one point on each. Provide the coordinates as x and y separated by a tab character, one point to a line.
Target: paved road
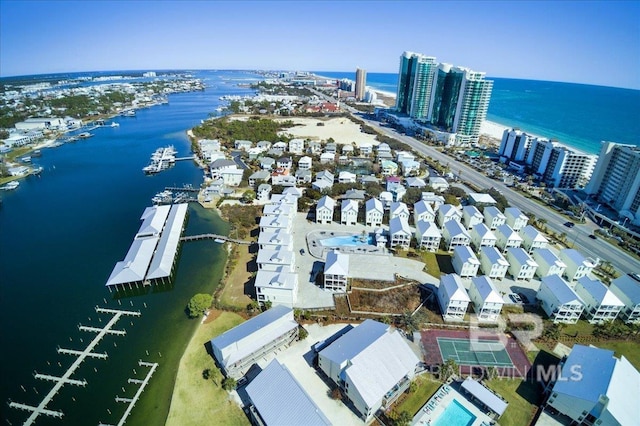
578	235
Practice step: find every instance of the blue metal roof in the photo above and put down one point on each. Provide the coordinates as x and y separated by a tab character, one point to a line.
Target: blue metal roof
586	373
251	326
281	401
355	341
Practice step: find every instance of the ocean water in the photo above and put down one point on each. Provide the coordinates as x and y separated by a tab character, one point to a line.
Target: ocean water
577	115
60	236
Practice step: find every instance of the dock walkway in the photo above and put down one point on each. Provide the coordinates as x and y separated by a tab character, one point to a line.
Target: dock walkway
216	237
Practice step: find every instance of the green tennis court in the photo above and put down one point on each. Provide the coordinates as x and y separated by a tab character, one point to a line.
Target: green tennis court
474	352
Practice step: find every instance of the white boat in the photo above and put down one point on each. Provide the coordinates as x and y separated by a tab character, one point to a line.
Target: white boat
114	124
219	240
85	135
26	159
10	186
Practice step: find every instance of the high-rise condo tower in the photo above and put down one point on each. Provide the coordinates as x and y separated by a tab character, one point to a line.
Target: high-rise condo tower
361	82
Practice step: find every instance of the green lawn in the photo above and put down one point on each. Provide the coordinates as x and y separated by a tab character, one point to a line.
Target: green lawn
431	263
197	401
427	386
523	397
630	350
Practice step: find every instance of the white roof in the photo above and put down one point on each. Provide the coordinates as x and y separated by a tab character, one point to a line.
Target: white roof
599	292
272	279
293	190
153	219
532	233
275	257
488	398
481	198
337	263
453	287
623	403
165	254
399	225
429	229
465	254
135	264
327	202
493	255
486	289
280	221
629	287
508	232
277	237
346	175
374	204
561	290
277	209
521	256
349	205
548	257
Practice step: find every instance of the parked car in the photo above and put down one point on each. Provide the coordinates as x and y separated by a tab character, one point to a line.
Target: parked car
592	236
569	224
515	298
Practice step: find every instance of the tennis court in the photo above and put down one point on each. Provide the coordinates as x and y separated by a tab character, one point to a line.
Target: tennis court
474	352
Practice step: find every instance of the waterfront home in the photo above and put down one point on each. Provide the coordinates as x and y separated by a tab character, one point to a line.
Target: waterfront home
577	265
280	146
482	236
372	364
237	349
330	148
521	265
471	216
493	217
347	149
314	147
399	209
242	144
227	170
404	156
278	209
40	123
305	163
283	198
415	182
373	212
263	146
327	157
343	160
303	176
532	239
324	210
465	262
448	212
492	263
267	163
389	168
275	240
296	146
601	304
386	198
507	238
486	299
263	192
399	233
434	200
558	300
480	199
276	397
428	235
365	148
336	272
628	291
277	287
284	163
281	260
293	191
455	235
283	179
324	181
383	147
346	177
515	218
259	177
548	263
423	212
349	212
452	298
602	395
273	223
438	183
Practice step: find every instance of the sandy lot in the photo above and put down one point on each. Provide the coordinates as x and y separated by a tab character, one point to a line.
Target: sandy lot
342	130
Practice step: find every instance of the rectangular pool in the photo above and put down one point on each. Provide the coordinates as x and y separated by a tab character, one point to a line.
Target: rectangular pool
347	241
455	415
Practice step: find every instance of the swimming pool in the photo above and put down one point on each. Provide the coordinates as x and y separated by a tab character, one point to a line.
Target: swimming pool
455	415
347	241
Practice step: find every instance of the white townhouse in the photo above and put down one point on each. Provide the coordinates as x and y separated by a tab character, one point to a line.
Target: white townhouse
399	233
331	148
515	218
448	212
404	155
275	240
365	148
465	262
293	191
242	144
347	149
453	298
279	288
236	350
281	260
324	210
493	217
349	212
482	236
415	182
324	180
296	146
259	177
577	265
336	272
507	238
434	200
285	198
428	236
383	148
471	216
521	265
455	235
263	192
278	209
305	163
389	168
327	157
481	198
314	147
303	176
486	299
372	364
264	146
628	291
346	177
600	303
423	212
559	301
548	263
227	170
386	198
273	223
284	163
374	211
492	263
595	388
399	209
532	239
267	163
438	183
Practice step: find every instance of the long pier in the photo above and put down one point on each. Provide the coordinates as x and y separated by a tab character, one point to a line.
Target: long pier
182	189
216	237
66	377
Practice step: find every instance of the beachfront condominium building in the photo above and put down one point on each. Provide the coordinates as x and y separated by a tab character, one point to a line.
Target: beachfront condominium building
361	82
454	99
559	166
616	179
515	145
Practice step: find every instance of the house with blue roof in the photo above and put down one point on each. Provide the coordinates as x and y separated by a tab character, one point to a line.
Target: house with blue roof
627	289
595	388
559	301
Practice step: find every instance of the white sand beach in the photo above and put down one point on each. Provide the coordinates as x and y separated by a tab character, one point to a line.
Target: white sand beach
342	130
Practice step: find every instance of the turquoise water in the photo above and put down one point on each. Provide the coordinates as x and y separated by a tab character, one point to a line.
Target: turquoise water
347	241
577	115
455	415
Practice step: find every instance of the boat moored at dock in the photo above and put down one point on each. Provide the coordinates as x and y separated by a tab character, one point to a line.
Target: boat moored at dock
10	186
161	159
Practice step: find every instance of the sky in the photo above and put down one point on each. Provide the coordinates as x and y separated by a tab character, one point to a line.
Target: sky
591	42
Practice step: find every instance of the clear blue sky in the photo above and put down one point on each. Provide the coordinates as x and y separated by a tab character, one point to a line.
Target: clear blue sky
583	41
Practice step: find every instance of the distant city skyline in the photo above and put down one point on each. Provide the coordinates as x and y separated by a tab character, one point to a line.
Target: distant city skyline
590	42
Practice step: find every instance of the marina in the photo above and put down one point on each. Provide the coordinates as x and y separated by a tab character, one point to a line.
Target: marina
161	159
10	186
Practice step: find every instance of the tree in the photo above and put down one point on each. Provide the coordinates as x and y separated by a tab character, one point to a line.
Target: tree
451	199
229	383
409	322
248	196
199	304
253	307
448	369
302	333
267	305
403	419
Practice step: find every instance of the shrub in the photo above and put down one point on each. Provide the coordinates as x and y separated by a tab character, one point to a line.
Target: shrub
198	305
